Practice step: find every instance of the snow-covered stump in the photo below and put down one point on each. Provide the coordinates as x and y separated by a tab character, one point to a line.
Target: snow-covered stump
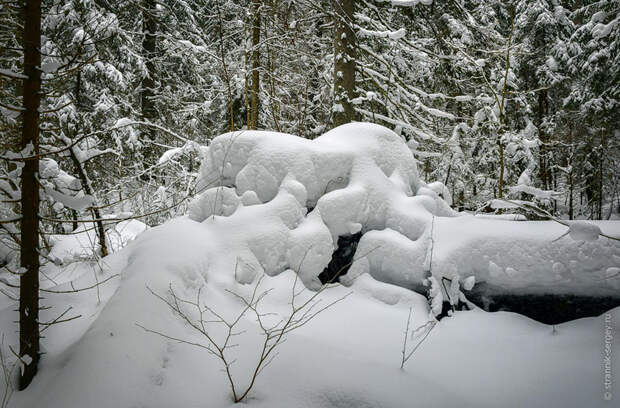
304	204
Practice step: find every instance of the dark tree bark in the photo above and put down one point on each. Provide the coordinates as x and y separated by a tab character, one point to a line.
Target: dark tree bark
29	257
103	247
543	159
571	183
502	110
149	45
220	30
600	175
254	93
345	53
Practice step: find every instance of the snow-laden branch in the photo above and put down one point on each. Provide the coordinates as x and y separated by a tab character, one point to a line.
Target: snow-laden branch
410	3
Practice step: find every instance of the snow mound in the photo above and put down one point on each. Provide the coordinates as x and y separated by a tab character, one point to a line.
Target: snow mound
534	257
357	177
584	231
291	198
259	161
392	258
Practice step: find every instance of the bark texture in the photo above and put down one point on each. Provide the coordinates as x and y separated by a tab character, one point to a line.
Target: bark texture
345	53
29	256
254	93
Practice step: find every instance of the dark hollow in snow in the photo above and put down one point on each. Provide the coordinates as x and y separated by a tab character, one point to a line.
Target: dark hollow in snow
446	308
342	258
545	308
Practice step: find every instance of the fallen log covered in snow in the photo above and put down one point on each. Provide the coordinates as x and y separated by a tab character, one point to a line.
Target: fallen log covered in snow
362	179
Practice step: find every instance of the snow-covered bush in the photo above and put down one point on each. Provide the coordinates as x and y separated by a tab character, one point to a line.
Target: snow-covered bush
221	341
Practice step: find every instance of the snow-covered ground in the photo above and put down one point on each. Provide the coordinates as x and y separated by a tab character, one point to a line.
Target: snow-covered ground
348	356
273	205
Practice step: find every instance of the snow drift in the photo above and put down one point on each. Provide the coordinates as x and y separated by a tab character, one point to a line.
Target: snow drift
363	177
275	204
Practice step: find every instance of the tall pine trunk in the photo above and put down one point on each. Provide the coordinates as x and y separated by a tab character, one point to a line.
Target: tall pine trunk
345	53
254	93
149	44
29	257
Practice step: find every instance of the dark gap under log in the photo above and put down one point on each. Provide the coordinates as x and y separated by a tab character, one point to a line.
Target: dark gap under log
342	258
545	308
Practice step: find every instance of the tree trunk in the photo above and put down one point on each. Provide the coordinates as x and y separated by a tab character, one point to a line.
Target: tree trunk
500	184
149	27
344	62
220	30
95	210
29	256
445	183
254	101
246	84
502	106
542	158
571	185
600	177
85	180
554	180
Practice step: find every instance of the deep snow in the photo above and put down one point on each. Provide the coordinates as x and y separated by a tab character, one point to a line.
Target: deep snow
253	218
347	357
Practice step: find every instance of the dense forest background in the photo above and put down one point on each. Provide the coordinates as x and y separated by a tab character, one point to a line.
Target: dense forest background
107	106
496	98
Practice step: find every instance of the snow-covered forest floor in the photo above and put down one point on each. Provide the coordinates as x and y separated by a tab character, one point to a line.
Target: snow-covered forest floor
250	254
348	356
326	203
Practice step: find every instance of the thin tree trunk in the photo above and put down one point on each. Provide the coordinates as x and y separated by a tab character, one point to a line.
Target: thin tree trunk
95	210
345	53
74	224
225	67
149	44
571	185
554	178
29	256
254	101
600	178
445	183
500	184
246	85
502	107
542	157
85	180
272	89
